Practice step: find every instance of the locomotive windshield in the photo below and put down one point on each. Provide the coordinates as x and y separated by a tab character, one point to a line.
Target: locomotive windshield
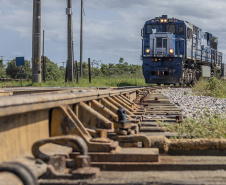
170	28
180	30
154	28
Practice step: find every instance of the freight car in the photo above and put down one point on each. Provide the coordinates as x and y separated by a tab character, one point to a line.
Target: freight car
178	52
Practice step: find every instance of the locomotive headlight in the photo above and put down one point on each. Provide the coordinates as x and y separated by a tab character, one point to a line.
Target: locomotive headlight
171	51
161	20
165	20
147	50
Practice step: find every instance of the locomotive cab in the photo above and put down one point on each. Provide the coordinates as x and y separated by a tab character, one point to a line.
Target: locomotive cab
162	51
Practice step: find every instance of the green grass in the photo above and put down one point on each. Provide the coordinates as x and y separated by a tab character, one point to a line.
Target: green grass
112	81
207	126
212	87
14	83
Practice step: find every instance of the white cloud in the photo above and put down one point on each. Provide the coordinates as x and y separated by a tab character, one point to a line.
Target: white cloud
115	4
111	27
18	21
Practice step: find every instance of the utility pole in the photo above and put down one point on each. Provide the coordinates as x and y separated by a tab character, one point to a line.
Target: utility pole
76	73
36	42
69	68
81	39
43	59
90	73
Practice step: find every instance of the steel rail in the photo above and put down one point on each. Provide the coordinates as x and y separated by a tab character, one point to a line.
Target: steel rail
22	104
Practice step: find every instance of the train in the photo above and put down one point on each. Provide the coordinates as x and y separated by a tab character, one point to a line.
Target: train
177	52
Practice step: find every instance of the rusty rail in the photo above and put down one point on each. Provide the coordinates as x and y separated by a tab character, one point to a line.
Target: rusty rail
23	104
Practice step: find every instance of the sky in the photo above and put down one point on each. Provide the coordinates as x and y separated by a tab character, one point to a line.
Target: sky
112	28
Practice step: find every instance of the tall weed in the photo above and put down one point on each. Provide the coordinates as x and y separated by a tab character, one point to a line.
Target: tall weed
212	87
206	126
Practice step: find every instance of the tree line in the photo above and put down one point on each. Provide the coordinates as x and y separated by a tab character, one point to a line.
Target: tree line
55	72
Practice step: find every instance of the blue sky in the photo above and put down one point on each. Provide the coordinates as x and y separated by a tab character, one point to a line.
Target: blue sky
111	27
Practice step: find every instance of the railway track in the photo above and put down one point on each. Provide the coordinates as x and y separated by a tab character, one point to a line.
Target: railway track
159	110
53	136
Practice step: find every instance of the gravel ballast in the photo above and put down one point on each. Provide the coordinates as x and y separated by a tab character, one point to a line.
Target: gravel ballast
192	105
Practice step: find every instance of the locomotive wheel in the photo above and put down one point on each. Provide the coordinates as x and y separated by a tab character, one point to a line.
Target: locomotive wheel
181	83
193	82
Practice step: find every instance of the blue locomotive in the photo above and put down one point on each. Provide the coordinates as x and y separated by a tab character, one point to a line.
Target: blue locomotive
177	52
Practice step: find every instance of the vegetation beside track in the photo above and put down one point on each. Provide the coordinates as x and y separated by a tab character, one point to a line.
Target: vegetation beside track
207	126
111	81
212	87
